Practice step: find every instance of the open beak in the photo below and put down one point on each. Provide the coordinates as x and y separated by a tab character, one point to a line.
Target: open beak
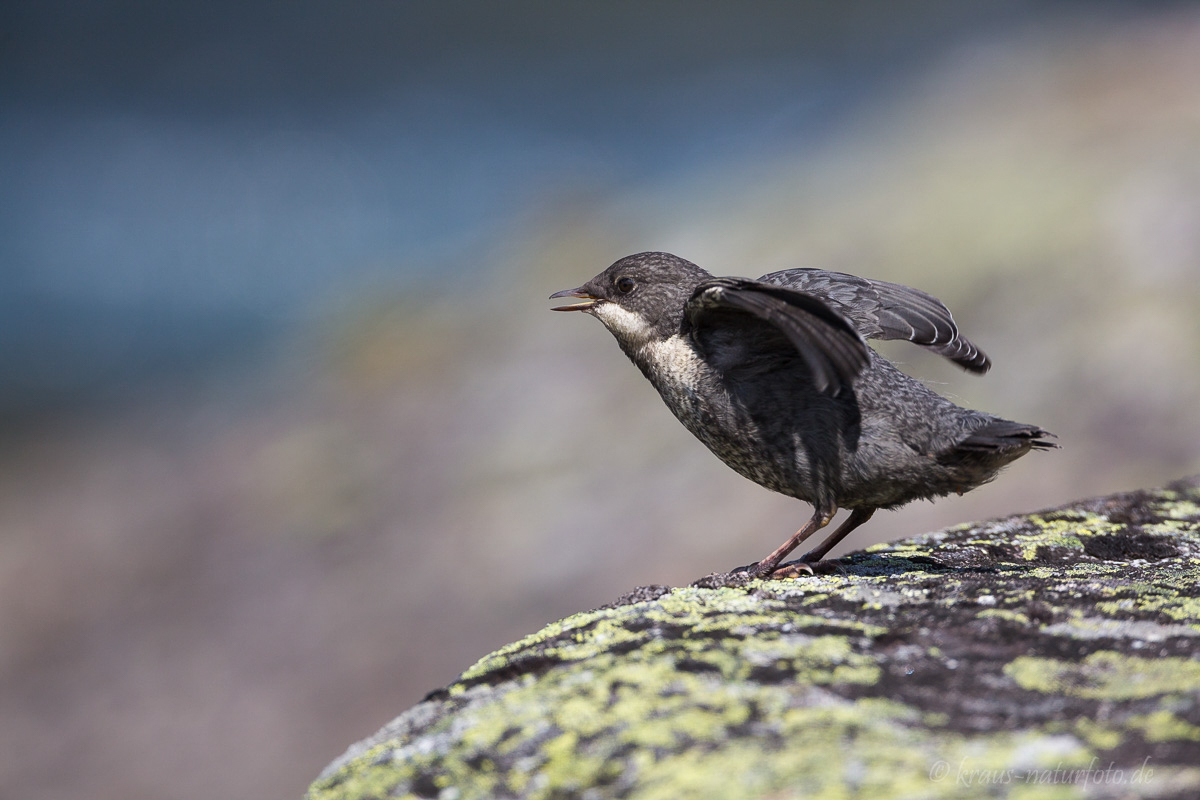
588	299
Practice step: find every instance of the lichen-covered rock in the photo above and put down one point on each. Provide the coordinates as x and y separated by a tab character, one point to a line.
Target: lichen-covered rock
1049	655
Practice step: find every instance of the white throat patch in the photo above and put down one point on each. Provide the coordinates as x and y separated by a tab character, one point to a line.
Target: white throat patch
623	323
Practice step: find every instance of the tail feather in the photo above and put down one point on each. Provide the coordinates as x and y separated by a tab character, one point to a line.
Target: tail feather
1004	435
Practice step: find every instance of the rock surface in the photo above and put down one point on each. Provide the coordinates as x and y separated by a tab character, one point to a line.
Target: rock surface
1048	655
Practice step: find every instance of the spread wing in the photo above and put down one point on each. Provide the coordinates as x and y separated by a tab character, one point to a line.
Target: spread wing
739	308
882	310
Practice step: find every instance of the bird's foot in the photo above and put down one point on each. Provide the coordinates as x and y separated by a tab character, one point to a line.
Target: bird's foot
792	569
833	566
740	576
724	580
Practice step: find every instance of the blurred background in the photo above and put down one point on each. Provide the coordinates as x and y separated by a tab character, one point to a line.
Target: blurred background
288	436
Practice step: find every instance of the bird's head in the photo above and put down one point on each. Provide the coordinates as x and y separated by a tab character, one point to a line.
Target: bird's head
639	298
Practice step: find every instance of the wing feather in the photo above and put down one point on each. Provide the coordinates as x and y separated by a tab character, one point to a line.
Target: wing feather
828	343
883	310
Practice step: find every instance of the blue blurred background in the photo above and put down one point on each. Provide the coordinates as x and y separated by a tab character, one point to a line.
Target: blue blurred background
288	437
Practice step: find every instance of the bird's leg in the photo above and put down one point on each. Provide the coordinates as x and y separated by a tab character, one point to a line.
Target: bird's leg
819	520
857	517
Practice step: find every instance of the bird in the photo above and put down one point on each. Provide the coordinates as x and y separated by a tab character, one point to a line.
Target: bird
774	375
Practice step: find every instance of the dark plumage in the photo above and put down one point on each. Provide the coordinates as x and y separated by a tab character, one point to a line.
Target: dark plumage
775	377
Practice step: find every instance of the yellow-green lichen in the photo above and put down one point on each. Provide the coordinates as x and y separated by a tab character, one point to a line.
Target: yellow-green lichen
1006	614
1106	675
1057	532
1185	510
828	750
1164	726
1096	734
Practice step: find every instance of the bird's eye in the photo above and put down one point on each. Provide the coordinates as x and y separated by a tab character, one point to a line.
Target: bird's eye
625	284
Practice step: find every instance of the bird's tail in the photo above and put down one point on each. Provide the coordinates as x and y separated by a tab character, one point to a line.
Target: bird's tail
1001	435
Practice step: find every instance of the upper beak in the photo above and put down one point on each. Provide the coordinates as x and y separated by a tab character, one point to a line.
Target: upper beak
589	300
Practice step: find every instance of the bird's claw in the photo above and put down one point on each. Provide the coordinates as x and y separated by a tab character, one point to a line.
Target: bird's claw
793	569
724	580
740	576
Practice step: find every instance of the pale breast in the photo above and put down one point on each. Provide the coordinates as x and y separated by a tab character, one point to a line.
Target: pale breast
697	396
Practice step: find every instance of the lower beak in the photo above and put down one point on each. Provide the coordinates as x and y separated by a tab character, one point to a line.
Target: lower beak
589	301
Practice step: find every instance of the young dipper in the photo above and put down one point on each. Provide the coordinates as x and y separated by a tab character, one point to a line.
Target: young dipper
775	377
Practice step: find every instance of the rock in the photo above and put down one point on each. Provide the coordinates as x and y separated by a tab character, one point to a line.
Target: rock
1052	654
